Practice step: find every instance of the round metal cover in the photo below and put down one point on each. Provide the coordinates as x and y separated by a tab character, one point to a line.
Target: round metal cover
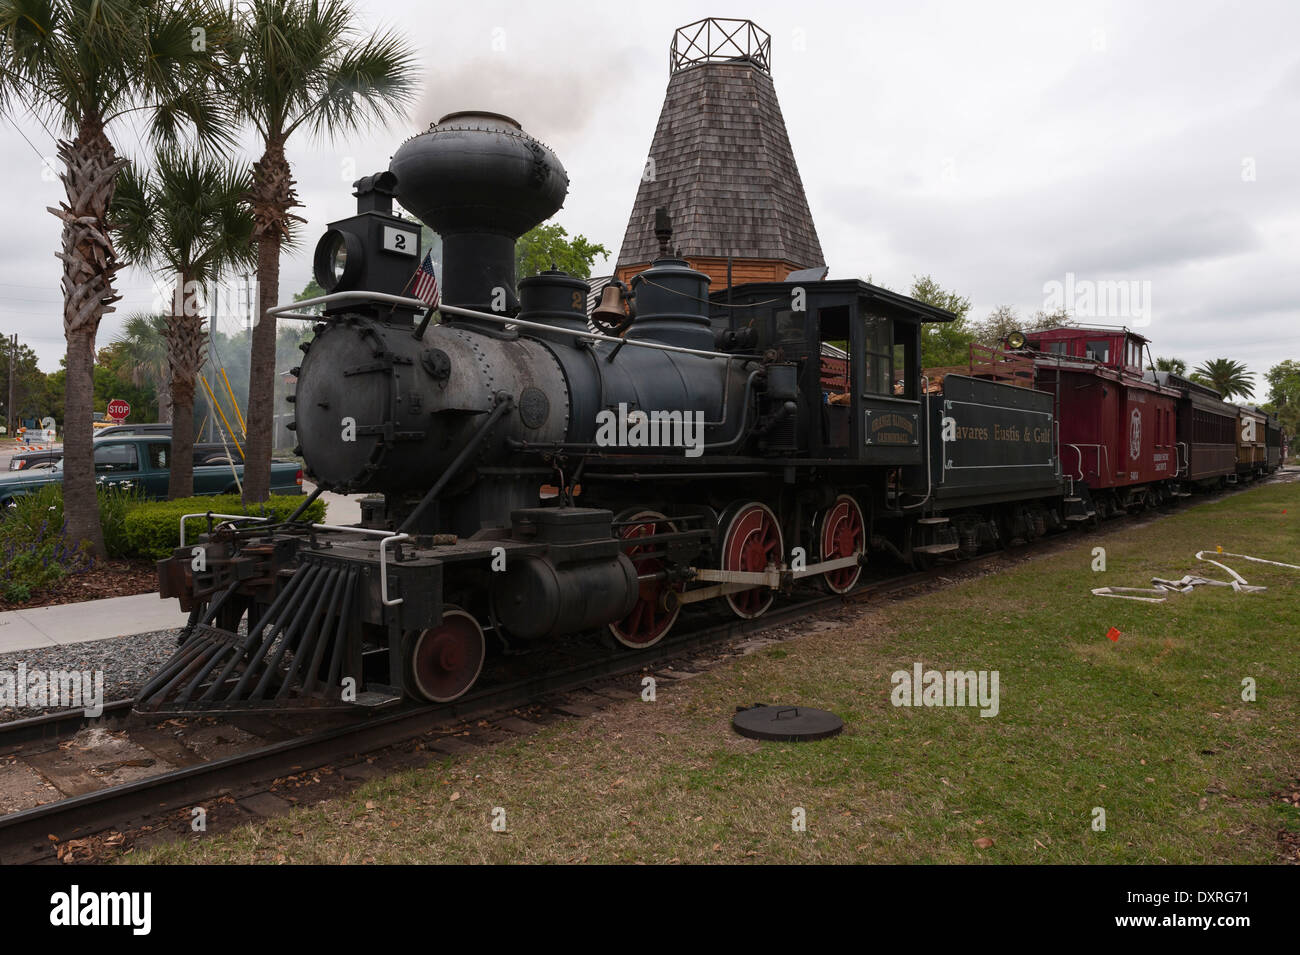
787	724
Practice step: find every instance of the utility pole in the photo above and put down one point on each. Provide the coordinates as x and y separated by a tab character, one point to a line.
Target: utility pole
9	406
212	344
248	298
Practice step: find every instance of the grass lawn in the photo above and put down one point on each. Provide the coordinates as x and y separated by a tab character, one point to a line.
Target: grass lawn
1151	728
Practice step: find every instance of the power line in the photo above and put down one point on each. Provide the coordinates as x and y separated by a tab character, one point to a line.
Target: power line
30	143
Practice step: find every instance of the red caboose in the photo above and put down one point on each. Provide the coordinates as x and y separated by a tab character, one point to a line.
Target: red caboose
1118	430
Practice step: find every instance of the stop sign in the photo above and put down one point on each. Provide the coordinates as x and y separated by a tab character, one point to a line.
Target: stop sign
119	409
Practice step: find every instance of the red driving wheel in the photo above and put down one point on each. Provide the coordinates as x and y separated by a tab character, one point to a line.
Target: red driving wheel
650	619
751	543
842	533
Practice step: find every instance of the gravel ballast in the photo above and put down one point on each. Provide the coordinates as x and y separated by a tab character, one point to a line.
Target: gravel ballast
126	662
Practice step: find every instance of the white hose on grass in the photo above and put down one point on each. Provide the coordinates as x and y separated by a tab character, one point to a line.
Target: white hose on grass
1185	585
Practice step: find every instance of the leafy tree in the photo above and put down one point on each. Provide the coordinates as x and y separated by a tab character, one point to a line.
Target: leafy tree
1229	378
185	218
55	390
29	384
943	343
548	246
311	290
114	378
1284	394
144	344
1175	365
1004	320
301	63
82	65
1284	383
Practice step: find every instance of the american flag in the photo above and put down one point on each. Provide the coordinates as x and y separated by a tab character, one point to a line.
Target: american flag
426	283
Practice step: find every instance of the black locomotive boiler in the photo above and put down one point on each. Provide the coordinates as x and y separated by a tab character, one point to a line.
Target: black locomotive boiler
533	476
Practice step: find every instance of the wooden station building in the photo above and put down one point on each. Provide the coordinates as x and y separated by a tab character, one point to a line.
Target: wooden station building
722	165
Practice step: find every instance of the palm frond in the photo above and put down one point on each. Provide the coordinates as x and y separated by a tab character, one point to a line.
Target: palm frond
365	84
187	216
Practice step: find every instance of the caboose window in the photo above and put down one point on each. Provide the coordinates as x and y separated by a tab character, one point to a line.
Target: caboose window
1099	350
1057	348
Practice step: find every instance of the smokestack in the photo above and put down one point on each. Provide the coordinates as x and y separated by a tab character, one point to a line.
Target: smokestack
480	182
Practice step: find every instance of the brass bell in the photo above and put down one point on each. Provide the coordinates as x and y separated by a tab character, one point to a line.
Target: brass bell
610	314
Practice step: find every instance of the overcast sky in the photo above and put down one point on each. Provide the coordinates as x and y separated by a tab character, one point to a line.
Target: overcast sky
997	147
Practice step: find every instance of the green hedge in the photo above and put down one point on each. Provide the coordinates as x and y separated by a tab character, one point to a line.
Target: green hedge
152	528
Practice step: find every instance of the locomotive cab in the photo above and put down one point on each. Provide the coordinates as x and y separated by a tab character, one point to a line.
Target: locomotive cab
856	348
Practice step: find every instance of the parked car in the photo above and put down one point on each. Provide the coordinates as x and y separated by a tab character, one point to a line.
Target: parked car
143	464
22	460
134	429
204	452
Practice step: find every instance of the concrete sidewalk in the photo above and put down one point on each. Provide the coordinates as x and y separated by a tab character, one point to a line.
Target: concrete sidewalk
121	616
88	620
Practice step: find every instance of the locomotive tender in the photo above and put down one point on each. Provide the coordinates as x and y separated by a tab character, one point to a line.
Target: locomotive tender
535	477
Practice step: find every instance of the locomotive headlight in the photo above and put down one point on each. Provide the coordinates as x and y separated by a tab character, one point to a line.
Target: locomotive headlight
338	260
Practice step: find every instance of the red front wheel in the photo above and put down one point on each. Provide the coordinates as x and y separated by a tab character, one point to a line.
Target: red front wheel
446	660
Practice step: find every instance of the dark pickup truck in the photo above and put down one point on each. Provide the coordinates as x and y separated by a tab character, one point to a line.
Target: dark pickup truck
204	452
142	464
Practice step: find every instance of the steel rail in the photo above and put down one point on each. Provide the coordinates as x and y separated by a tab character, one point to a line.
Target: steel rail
83	815
86	814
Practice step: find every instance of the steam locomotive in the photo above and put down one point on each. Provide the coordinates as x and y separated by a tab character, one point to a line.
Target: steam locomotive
536	473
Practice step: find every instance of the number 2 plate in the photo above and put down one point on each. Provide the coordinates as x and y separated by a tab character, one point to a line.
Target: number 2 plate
401	241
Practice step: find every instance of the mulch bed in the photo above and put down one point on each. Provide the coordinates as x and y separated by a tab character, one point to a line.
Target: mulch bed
108	578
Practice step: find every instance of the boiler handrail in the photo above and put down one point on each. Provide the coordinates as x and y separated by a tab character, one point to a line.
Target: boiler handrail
286	311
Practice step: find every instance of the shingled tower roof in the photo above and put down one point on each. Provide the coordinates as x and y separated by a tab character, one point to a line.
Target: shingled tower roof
721	164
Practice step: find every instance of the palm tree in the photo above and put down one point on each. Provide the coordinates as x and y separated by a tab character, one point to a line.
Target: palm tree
144	339
83	65
187	218
303	63
1175	365
1229	378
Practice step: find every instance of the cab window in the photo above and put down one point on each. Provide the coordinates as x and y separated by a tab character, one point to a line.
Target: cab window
115	457
158	456
877	362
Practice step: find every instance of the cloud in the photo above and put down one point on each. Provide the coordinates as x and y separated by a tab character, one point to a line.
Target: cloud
992	147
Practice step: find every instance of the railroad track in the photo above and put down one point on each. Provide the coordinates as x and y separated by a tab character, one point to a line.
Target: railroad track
25	835
201	765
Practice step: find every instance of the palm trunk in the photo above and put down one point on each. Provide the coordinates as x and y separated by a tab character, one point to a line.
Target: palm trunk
89	265
186	341
261	376
272	197
165	409
80	500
